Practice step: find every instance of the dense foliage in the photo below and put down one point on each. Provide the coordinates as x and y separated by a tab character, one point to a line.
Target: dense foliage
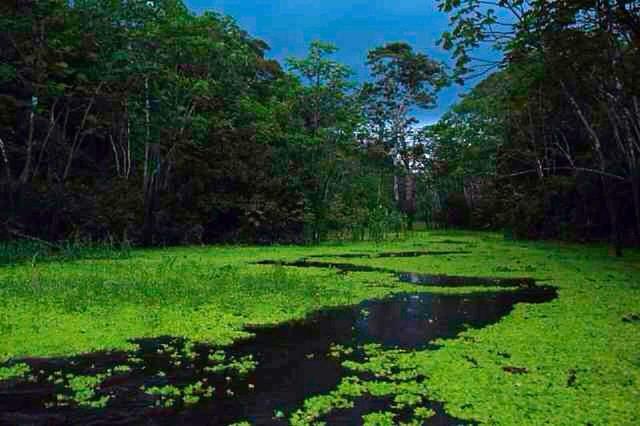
142	122
577	354
550	141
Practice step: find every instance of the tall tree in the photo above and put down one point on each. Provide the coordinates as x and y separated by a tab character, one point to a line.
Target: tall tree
403	81
326	103
102	101
574	112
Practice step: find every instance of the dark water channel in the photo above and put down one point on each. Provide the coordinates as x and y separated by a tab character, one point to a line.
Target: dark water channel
436	280
416	253
293	363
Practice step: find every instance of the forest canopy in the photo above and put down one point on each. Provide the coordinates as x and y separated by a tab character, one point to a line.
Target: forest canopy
140	121
549	140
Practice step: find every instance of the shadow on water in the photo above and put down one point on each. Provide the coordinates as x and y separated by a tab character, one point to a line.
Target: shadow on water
416	253
293	363
420	253
435	280
342	267
464	281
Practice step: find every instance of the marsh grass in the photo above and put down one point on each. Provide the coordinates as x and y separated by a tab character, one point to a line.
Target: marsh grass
34	252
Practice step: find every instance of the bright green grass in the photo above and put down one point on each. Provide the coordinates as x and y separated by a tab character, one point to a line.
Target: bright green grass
582	359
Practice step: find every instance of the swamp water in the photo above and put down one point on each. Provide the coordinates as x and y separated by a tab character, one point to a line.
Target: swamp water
262	379
435	280
416	253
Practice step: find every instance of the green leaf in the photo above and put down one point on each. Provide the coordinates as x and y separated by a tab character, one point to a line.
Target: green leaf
120	55
7	72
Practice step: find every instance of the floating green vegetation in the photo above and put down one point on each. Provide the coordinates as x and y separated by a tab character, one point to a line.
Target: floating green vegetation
192	393
66	308
167	395
404	387
122	369
223	364
575	360
339	351
218	356
80	390
17	371
566	354
422	414
379	419
320	405
170	395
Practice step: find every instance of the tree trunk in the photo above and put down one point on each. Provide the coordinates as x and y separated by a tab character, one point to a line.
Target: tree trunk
5	160
151	196
615	235
148	226
26	170
410	199
9	182
147	142
396	188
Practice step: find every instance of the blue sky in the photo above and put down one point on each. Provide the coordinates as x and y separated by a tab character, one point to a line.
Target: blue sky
355	26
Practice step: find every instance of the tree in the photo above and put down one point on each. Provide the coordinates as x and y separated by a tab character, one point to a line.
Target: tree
111	98
403	80
330	115
571	116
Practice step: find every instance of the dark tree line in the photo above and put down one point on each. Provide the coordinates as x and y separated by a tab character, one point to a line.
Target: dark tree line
142	122
139	121
552	134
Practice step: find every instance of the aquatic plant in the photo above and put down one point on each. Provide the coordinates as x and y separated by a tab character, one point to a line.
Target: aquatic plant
15	371
572	349
81	390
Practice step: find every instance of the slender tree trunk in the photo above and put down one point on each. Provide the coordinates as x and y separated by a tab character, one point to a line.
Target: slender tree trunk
147	120
410	199
128	139
116	155
148	227
151	196
5	160
610	203
53	121
396	188
80	133
26	170
7	168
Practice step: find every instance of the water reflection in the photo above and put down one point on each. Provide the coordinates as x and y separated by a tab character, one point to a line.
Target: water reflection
293	364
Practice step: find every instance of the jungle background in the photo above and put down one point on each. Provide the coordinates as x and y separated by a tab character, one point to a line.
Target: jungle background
142	123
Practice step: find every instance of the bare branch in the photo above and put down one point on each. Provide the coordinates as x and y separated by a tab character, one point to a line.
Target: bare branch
579	169
5	158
